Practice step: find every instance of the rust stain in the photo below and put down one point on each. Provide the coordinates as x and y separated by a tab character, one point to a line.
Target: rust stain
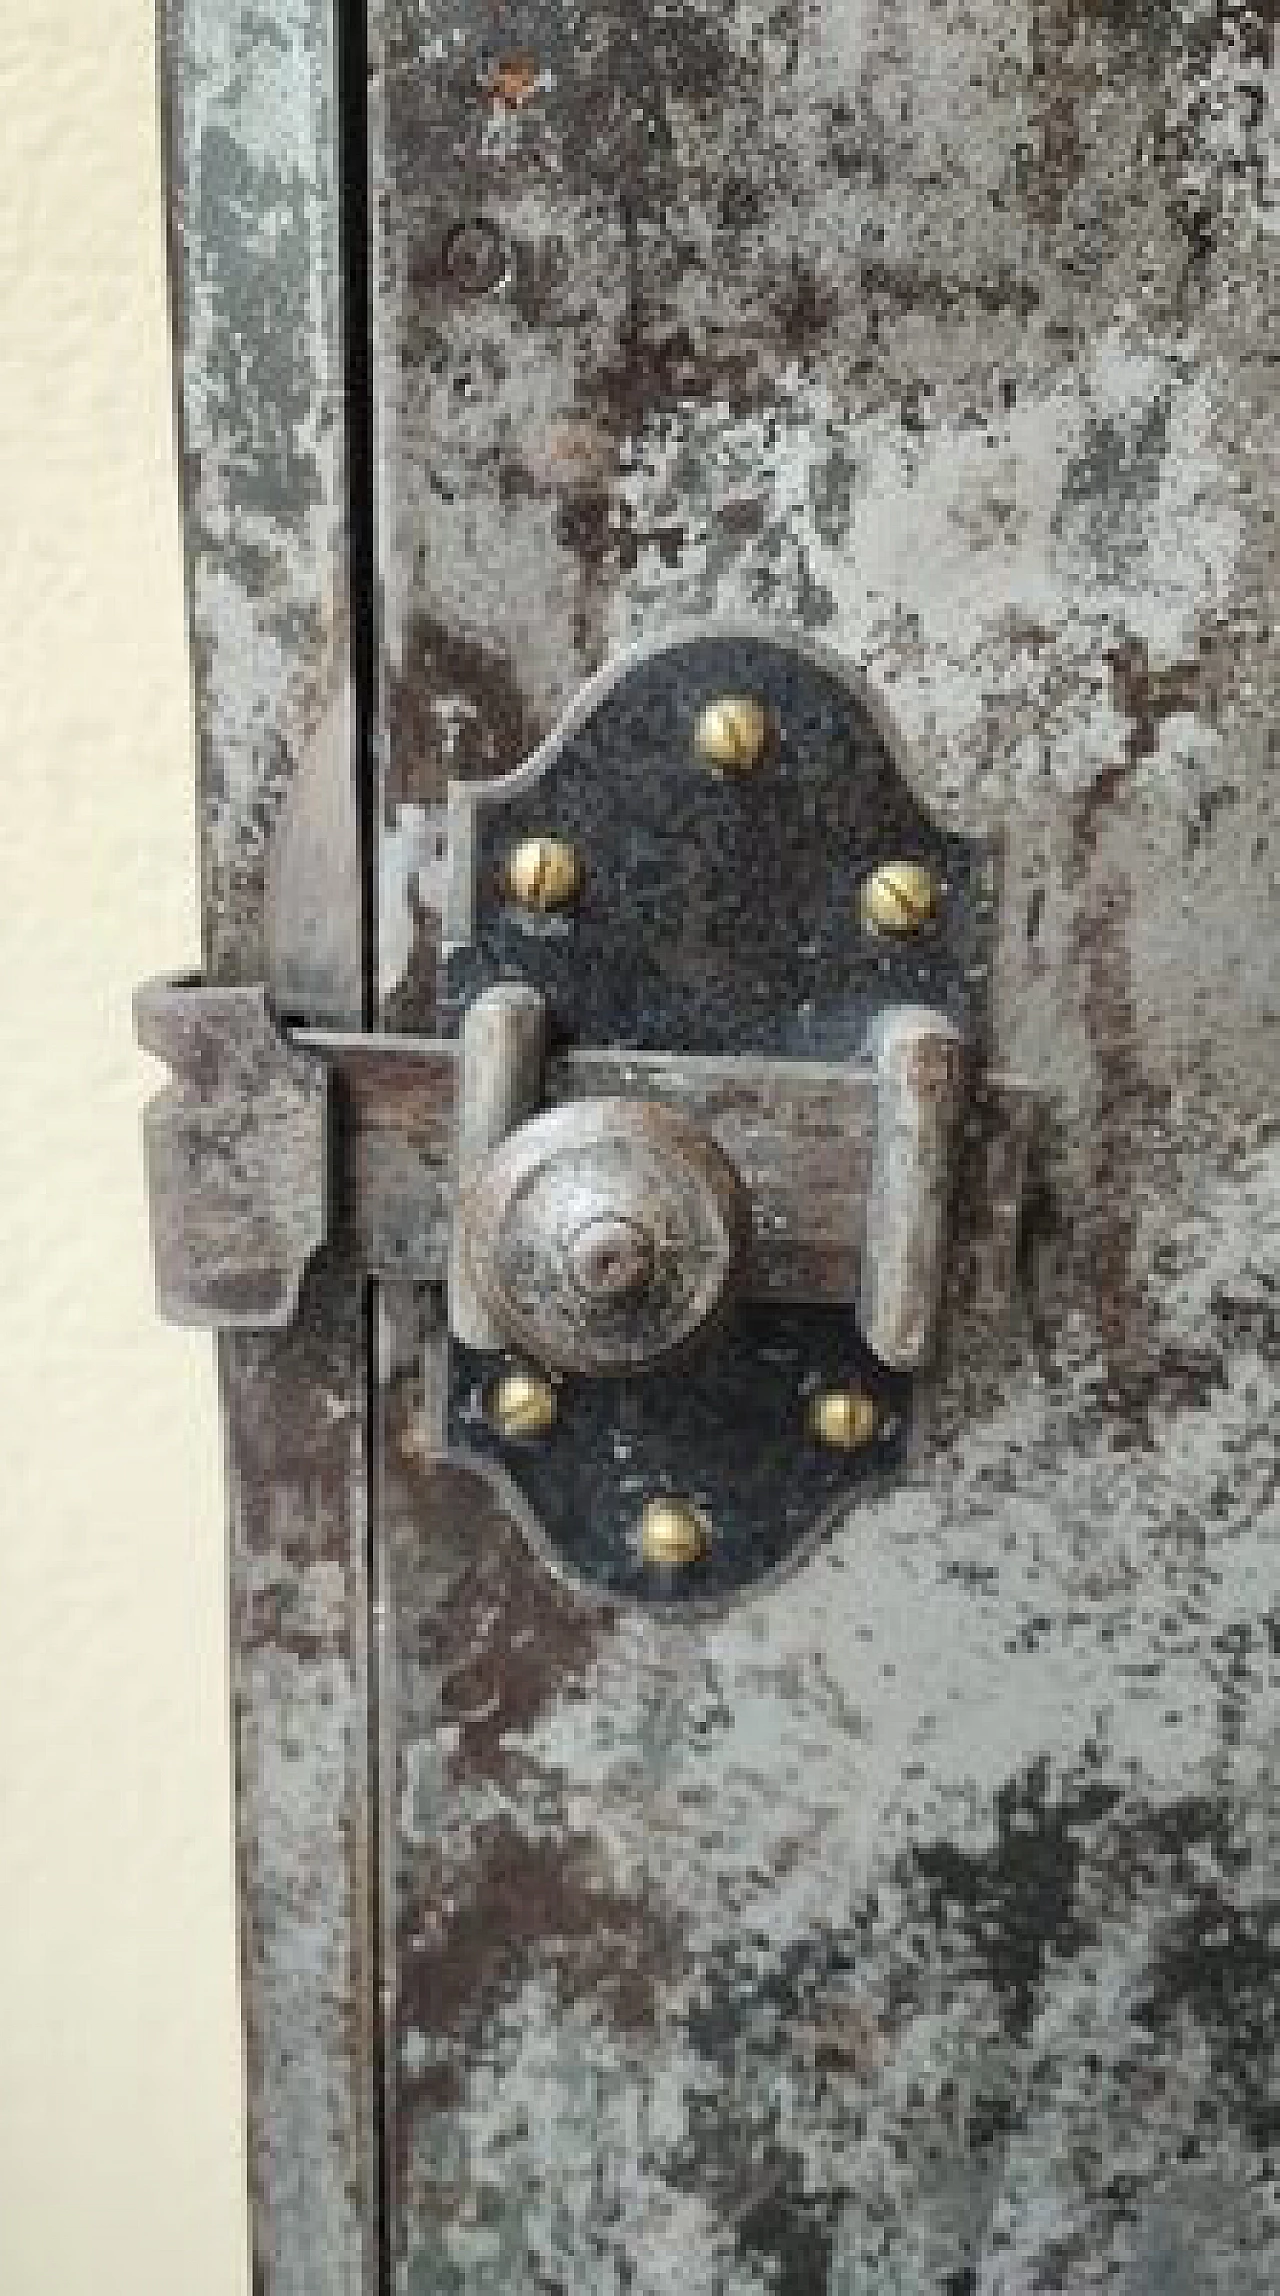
1148	696
1025	633
1070	65
513	81
523	1905
660	370
513	1643
572	454
1122	1109
902	287
279	1435
456	713
505	1639
847	2037
806	309
1059	88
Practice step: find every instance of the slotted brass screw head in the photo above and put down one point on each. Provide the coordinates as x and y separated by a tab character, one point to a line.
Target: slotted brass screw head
543	873
842	1418
732	734
899	897
523	1403
673	1535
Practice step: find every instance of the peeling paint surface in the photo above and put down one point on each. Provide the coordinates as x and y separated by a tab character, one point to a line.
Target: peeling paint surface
917	1927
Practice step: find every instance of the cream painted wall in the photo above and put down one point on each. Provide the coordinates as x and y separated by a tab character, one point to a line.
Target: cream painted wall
121	2164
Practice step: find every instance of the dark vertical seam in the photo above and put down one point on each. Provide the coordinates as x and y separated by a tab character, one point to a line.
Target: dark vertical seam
352	50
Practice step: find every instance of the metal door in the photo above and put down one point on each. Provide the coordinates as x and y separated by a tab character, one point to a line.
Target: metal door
910	1924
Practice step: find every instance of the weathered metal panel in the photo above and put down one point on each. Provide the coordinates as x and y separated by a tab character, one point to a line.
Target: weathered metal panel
252	137
914	1926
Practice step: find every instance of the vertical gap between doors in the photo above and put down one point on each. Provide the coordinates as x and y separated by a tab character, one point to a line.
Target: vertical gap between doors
355	245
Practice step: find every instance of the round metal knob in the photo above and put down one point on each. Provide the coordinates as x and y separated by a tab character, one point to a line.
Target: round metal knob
603	1234
612	1259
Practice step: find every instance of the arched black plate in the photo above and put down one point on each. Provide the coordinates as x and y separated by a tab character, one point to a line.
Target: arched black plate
724	1430
718	915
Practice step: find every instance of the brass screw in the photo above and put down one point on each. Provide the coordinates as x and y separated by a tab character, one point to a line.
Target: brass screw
842	1418
732	733
899	897
543	873
523	1403
673	1535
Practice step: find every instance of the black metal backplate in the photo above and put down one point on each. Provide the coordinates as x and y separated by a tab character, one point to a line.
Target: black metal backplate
717	915
724	1429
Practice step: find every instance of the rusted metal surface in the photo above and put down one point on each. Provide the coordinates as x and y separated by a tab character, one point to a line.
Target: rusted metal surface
237	1157
251	137
912	1926
295	1422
